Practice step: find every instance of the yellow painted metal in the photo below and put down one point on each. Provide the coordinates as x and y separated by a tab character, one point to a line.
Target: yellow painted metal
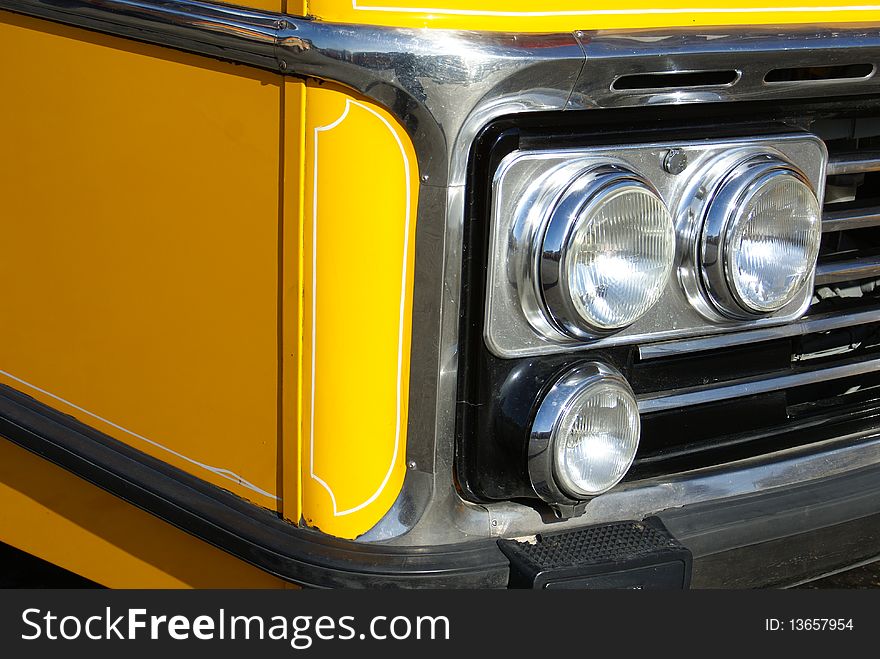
294	7
361	190
565	15
139	212
61	518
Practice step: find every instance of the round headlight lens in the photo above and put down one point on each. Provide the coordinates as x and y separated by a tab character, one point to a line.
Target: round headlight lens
773	243
620	257
596	439
759	239
584	435
607	253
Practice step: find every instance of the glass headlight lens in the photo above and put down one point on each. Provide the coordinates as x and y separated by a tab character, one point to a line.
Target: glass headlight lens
773	243
760	238
607	253
584	436
596	439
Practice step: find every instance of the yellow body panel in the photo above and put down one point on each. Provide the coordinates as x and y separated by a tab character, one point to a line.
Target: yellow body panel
567	15
360	207
63	519
139	214
294	7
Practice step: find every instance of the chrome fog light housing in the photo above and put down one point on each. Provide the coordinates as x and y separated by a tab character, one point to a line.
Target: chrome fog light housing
760	238
585	435
603	252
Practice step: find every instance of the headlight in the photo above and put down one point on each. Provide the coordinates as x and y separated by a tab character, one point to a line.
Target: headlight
581	244
584	436
760	239
606	253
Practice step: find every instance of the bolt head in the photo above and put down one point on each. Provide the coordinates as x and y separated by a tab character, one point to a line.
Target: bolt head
675	161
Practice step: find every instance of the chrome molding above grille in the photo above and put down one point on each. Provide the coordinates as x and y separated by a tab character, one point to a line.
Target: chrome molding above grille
752	53
660	402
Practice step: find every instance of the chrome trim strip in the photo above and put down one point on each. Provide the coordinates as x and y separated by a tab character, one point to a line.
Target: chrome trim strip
753	52
851	218
749	387
232	33
837	271
854	163
808	325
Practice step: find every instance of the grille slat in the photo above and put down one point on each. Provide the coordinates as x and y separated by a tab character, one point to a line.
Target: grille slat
850	252
730	390
857	162
851	218
861	267
807	325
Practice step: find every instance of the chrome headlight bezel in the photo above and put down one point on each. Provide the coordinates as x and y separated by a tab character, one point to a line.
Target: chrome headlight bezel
544	474
516	322
576	194
708	224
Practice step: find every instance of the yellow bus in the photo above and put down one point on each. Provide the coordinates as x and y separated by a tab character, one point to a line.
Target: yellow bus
440	293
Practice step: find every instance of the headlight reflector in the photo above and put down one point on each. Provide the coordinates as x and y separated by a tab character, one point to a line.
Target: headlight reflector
585	435
774	243
761	238
607	252
596	440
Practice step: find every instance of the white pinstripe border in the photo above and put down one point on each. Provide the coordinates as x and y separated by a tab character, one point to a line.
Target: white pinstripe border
401	329
223	473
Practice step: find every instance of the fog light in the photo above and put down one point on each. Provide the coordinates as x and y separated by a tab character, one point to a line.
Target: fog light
584	436
760	239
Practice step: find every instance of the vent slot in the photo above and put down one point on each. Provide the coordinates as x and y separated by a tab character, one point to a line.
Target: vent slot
675	80
818	73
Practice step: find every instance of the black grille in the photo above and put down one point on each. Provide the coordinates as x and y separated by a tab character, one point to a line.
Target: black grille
821	379
759	391
849	262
